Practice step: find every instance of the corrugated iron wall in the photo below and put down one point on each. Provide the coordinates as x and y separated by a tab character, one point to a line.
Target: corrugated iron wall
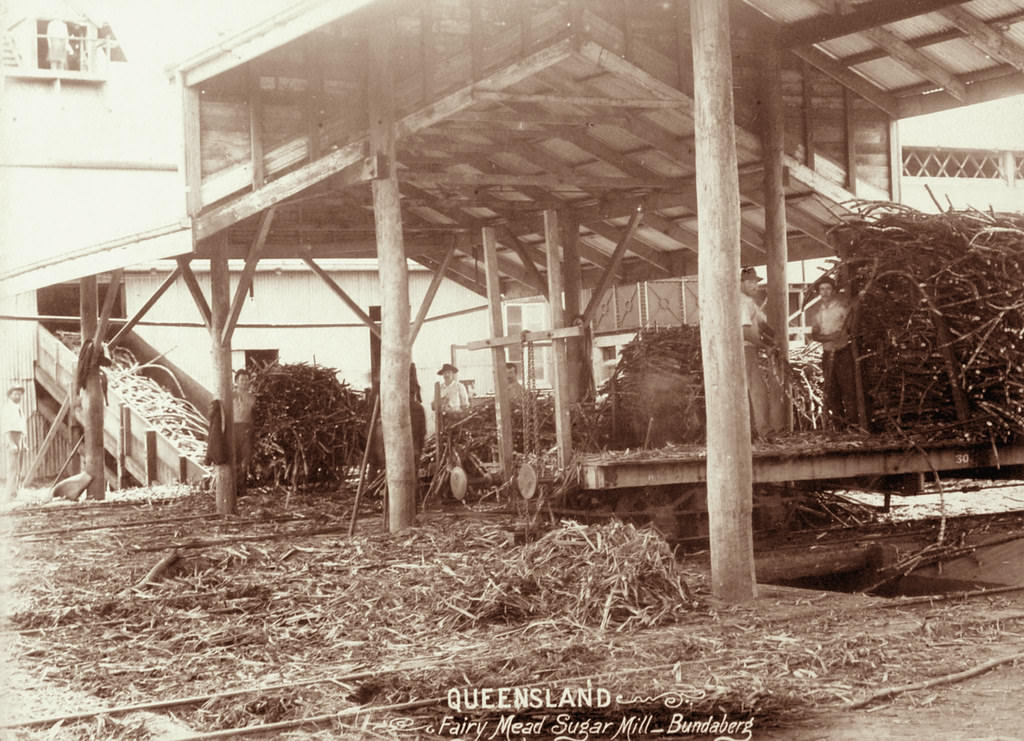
289	297
17	365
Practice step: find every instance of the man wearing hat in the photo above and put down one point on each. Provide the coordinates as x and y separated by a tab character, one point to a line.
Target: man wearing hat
454	397
756	332
14	431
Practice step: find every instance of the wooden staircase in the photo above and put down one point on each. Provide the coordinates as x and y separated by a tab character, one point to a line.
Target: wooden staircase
138	450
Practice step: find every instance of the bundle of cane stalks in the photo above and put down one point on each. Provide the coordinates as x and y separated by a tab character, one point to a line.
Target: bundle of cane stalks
942	345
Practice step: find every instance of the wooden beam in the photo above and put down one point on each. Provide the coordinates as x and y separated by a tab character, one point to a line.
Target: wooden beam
428	297
192	164
340	293
297	20
221	217
560	382
502	409
193	288
453	274
773	142
393	273
849	79
608	275
577	180
144	309
911	58
113	288
997	45
256	153
92	403
572	280
730	480
979	91
594	101
220	353
513	241
868	15
850	134
540	335
245	280
649	255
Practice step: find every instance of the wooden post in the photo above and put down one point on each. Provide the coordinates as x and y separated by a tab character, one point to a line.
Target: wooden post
572	279
394	281
92	394
563	427
773	134
501	404
124	432
374	315
220	351
730	475
151	458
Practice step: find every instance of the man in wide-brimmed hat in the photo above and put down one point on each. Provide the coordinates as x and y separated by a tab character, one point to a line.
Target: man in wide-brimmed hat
454	397
756	332
14	430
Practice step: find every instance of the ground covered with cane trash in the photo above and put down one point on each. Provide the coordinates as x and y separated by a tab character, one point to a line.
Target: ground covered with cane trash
148	616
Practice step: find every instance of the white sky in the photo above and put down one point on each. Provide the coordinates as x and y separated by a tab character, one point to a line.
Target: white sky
997	124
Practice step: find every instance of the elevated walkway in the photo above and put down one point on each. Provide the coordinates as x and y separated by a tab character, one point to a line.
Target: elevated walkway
134	447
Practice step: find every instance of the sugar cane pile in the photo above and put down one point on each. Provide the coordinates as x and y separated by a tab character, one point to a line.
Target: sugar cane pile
309	427
172	416
604	576
656	393
942	345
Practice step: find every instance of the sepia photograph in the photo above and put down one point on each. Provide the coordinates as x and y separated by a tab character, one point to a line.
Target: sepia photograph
500	370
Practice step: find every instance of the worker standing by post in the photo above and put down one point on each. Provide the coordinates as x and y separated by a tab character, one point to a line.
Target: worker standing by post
243	400
15	431
756	332
830	328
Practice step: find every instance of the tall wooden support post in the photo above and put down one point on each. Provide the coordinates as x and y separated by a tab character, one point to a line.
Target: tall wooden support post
220	352
572	277
730	477
92	394
374	314
773	134
501	403
394	282
560	384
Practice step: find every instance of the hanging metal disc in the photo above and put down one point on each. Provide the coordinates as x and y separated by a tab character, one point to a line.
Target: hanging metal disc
458	481
526	480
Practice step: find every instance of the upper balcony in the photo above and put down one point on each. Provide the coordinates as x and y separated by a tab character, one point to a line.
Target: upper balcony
49	50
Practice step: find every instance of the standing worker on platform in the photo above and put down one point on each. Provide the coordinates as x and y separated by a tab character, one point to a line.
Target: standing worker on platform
756	332
15	432
242	402
454	397
830	328
514	388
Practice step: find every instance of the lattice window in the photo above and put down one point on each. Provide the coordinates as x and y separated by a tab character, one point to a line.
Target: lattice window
951	163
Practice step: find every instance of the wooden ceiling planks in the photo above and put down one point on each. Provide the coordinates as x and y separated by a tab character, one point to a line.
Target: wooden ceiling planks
529	117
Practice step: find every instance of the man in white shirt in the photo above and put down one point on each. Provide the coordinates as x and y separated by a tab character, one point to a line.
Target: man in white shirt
755	333
829	327
14	429
454	397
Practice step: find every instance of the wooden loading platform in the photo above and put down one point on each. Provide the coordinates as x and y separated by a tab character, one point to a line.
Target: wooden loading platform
778	462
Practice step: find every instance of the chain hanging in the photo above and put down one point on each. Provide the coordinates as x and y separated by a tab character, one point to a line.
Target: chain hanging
531	423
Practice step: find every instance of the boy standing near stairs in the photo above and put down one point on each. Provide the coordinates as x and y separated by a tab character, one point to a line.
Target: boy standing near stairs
15	431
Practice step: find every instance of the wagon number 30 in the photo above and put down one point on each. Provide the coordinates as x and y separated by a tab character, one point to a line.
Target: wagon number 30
961	459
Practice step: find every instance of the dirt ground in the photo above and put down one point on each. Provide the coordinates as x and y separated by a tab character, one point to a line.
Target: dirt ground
275	616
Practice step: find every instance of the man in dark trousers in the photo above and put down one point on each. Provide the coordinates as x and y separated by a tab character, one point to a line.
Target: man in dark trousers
830	328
